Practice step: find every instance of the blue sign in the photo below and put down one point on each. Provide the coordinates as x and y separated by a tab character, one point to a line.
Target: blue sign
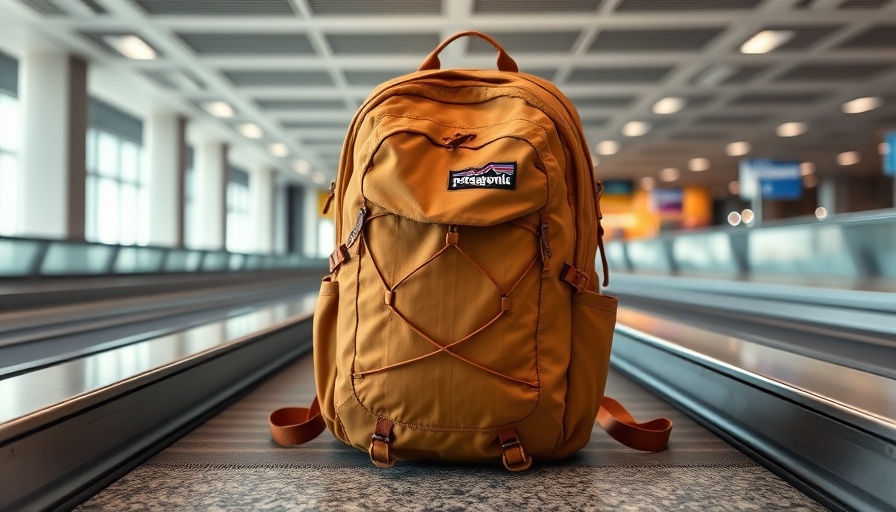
890	154
770	179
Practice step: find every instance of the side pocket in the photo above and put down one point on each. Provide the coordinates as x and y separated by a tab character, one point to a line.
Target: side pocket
593	323
324	335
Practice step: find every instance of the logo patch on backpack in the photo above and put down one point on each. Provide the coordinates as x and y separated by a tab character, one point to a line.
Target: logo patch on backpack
500	175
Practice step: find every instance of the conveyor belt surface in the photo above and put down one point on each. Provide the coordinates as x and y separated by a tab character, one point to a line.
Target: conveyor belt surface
230	463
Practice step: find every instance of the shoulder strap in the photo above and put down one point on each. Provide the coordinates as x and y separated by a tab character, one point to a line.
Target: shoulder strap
296	425
651	436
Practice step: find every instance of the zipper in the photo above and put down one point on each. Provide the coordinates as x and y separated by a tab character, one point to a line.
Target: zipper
356	231
330	198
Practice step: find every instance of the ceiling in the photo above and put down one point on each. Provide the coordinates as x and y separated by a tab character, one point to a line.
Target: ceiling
300	68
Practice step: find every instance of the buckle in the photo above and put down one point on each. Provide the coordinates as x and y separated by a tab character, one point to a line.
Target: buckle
575	277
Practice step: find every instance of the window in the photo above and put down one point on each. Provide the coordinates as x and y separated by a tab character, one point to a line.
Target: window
117	199
239	238
9	144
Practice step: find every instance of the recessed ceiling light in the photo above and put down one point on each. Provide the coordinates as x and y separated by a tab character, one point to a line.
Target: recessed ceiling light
635	128
218	108
278	149
698	164
302	167
807	168
766	41
648	183
747	216
607	147
131	46
737	148
859	105
251	130
791	129
883	148
669	174
669	105
810	181
849	158
821	213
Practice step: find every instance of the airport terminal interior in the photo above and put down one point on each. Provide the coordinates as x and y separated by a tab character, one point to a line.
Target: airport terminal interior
168	183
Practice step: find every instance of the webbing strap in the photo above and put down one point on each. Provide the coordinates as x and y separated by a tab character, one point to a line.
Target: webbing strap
296	425
650	436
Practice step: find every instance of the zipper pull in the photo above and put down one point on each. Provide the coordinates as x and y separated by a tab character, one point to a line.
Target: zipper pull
545	248
356	231
330	199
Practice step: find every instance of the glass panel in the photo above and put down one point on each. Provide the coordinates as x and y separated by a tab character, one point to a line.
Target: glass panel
182	261
8	192
91	150
139	259
236	261
107	211
214	262
17	256
143	216
76	259
128	226
130	162
107	154
90	205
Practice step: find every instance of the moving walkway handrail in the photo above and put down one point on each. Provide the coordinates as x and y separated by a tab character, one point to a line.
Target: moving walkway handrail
849	250
41	257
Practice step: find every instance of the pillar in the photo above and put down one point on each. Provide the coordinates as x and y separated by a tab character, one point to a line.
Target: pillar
53	96
827	195
163	151
210	194
261	208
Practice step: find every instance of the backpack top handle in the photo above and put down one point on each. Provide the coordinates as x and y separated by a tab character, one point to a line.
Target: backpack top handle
505	62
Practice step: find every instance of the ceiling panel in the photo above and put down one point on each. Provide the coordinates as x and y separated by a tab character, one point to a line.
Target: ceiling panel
733	119
262	78
529	6
527	42
382	44
773	99
372	77
652	40
687	5
247	44
318	104
618	75
376	7
215	7
879	36
834	72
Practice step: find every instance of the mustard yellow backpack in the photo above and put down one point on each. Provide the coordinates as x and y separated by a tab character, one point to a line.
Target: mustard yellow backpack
462	318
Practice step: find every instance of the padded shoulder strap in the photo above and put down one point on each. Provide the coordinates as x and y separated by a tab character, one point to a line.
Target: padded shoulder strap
651	436
296	425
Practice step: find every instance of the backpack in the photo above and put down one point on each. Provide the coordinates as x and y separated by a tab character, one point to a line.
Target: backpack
462	319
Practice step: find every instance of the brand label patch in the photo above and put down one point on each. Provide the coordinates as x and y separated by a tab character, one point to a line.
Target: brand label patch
500	175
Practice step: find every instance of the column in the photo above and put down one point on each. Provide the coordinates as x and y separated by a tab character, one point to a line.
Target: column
261	208
210	194
827	195
53	96
163	158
